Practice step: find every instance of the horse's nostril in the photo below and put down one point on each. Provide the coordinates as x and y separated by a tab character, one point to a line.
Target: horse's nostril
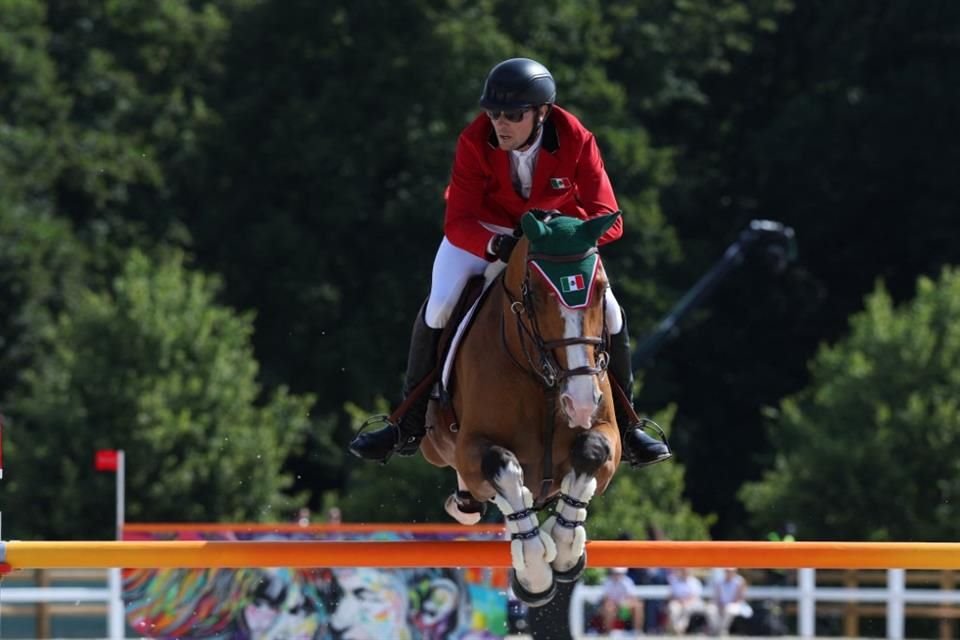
599	399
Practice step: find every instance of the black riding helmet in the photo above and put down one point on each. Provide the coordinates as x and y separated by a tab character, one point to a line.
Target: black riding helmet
518	83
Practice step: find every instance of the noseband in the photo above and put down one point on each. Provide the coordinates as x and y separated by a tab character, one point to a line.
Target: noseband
538	351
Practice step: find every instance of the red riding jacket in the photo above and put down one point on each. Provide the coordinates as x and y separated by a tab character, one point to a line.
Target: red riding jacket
569	176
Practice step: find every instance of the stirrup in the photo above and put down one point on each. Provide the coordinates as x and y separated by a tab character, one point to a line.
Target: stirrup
647	423
406	445
643	424
376	420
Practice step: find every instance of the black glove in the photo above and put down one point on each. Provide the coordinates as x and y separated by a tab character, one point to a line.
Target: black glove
502	246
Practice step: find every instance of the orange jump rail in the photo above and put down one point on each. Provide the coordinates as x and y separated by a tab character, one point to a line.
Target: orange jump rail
347	528
442	554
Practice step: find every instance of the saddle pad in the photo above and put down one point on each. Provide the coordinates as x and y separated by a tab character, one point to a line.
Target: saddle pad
493	270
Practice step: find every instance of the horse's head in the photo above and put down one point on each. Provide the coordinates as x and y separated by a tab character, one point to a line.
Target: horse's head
560	308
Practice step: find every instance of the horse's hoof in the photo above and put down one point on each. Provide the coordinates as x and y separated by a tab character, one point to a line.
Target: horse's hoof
573	573
462	513
468	504
532	599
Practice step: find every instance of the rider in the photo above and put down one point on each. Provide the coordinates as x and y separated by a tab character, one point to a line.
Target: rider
523	152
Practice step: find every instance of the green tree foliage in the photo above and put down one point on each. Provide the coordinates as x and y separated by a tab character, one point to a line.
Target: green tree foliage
31	105
301	149
637	502
312	193
870	450
104	102
839	124
408	490
40	262
155	367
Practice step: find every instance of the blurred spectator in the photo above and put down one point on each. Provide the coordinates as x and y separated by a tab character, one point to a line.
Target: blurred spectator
620	608
334	516
303	516
686	600
654	611
729	601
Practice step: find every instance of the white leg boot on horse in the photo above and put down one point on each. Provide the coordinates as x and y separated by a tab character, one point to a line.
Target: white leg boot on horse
589	452
639	449
531	549
565	525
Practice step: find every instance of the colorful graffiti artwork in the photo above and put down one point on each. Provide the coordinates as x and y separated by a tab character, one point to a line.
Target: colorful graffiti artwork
313	604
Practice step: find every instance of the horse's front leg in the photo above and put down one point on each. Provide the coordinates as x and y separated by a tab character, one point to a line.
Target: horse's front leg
590	452
531	549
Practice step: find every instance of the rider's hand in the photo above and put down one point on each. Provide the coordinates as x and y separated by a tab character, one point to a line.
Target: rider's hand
501	246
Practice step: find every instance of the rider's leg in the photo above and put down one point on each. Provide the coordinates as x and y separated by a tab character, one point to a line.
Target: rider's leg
421	360
404	437
452	267
639	449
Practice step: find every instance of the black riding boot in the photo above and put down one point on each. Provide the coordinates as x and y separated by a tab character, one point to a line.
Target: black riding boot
639	449
404	438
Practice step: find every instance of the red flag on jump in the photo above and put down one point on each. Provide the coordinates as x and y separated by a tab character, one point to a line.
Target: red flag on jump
105	460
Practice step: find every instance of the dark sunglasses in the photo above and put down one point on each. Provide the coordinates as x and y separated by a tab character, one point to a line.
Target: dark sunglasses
514	115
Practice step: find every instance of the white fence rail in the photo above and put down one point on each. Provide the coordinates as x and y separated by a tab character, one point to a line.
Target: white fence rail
805	595
110	596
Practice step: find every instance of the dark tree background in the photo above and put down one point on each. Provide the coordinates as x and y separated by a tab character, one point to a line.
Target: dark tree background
299	151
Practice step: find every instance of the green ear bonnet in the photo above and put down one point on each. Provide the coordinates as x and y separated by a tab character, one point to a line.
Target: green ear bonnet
563	250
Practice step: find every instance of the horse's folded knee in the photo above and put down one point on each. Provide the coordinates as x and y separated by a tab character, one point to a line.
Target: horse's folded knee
589	452
501	468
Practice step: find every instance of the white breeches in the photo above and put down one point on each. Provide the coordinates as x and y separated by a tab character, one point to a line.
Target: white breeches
452	267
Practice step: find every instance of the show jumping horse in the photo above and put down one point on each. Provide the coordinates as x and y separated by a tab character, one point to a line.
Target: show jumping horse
531	404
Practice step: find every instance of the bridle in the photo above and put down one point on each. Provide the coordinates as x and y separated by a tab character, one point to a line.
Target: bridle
539	353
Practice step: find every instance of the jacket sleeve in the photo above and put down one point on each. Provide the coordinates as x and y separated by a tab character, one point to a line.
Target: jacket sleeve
465	194
594	191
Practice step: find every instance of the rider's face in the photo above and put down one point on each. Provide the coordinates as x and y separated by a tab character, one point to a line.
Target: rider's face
512	136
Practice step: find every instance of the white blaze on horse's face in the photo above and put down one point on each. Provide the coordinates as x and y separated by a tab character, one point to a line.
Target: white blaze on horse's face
580	395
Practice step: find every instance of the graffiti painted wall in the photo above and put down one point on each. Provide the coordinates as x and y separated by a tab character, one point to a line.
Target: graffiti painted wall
314	604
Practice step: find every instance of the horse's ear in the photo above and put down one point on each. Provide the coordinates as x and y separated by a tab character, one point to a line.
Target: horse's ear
596	227
533	228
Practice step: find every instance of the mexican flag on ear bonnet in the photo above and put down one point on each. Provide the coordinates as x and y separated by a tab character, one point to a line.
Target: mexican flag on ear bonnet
555	246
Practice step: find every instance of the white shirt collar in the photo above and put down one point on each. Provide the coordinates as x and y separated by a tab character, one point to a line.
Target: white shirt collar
531	150
522	164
